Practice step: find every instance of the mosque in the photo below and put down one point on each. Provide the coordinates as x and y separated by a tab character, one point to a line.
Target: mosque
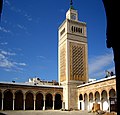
73	91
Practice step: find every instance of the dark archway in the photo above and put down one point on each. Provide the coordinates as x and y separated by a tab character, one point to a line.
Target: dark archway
0	100
29	102
39	101
8	100
80	97
112	93
91	96
48	101
19	100
97	96
58	102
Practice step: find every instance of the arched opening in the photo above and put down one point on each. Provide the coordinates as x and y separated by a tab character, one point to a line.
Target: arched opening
97	96
19	100
58	101
39	101
8	100
86	101
48	101
113	100
80	97
90	101
0	100
29	102
112	93
104	100
80	104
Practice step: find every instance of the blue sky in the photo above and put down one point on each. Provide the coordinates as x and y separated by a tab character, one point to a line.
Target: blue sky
29	38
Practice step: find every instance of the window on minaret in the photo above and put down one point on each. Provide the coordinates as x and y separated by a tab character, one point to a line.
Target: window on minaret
76	29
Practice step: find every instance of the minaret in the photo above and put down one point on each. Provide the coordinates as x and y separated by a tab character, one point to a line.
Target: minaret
72	57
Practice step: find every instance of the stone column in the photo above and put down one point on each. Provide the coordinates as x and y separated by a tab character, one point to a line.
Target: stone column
53	102
34	101
2	101
101	102
44	102
24	101
88	103
13	101
108	104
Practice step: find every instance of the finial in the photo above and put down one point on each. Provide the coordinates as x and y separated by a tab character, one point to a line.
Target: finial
71	4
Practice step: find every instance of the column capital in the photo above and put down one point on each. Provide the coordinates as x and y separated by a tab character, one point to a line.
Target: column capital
34	97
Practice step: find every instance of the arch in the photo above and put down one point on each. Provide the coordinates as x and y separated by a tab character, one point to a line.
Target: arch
0	100
112	93
60	94
97	96
39	101
8	100
90	96
49	101
90	101
86	101
19	100
80	97
104	102
58	101
104	95
29	102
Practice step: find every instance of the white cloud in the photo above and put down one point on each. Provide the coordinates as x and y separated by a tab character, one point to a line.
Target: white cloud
20	64
7	53
21	26
18	10
4	30
98	64
4	43
4	62
9	65
41	57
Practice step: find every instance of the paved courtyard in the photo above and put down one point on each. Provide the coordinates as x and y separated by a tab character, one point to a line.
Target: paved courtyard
47	112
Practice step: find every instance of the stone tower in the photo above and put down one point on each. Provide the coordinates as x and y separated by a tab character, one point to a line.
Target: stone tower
72	57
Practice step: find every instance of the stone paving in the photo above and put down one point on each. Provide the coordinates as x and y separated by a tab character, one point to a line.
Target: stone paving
46	112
